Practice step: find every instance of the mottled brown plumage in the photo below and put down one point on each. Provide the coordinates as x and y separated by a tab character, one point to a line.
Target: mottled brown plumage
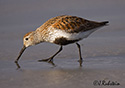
71	24
61	30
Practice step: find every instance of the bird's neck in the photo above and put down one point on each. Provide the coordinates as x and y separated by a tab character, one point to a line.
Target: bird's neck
38	37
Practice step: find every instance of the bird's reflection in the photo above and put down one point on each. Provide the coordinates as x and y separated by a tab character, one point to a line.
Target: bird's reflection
50	62
18	65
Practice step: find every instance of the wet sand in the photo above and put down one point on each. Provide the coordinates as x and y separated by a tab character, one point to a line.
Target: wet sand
103	51
67	73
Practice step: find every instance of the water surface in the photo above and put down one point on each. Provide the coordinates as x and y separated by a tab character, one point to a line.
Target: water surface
103	51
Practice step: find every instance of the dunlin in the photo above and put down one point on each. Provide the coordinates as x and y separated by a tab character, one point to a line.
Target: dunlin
61	30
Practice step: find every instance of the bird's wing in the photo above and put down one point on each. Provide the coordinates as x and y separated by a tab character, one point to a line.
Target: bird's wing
73	24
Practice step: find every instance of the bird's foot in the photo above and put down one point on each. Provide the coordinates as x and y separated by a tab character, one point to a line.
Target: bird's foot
49	60
17	64
80	62
46	60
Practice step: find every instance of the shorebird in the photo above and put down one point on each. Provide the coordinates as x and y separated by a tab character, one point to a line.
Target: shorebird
61	30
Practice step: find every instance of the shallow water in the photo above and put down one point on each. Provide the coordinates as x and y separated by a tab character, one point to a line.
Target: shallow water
67	73
103	51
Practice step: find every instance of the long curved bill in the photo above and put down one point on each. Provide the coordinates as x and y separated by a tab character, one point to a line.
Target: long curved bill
20	54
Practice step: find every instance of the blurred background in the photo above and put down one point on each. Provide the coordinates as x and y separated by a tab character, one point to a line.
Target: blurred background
17	17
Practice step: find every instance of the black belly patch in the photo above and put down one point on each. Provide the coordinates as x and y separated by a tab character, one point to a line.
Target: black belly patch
64	41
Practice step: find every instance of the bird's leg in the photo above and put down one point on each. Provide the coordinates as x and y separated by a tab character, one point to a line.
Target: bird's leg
17	64
51	58
80	56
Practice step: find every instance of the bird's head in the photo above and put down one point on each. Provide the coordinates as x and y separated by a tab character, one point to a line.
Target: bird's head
28	40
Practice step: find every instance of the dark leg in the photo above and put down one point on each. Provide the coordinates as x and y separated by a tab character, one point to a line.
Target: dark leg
51	58
80	56
17	64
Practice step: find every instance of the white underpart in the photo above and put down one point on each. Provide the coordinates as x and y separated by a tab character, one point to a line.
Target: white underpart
57	33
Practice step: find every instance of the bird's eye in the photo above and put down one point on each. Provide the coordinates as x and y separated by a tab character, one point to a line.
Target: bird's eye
26	38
